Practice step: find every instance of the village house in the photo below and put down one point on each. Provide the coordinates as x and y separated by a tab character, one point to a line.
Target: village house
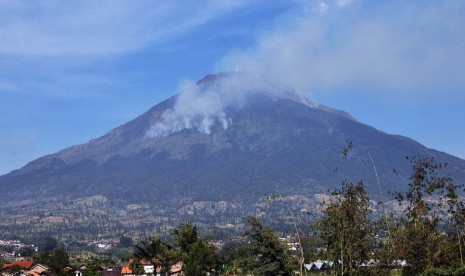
18	266
39	270
176	270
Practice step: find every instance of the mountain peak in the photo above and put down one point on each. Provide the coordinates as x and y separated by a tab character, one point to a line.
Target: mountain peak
231	137
202	105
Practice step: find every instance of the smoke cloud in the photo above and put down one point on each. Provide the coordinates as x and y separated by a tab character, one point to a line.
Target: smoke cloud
377	46
332	46
201	106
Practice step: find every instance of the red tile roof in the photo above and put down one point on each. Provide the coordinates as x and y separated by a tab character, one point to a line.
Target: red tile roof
26	264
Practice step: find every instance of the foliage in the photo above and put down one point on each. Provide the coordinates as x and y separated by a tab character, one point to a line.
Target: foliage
199	260
444	271
265	255
125	242
94	268
232	255
47	244
418	238
186	236
197	256
136	267
345	229
158	253
26	251
12	270
56	260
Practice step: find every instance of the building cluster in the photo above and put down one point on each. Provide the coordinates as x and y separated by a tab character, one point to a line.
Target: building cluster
30	268
26	268
104	244
147	268
12	248
291	242
322	266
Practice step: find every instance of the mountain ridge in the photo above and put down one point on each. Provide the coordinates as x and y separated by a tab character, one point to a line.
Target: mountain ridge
273	143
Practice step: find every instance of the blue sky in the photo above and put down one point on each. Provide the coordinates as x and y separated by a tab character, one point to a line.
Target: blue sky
70	71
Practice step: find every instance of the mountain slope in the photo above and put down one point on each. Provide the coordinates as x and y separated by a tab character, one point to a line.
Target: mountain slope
230	137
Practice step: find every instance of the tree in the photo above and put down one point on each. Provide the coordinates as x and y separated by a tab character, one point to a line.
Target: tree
26	251
197	256
345	229
455	220
56	260
94	268
266	255
301	249
13	270
158	253
136	267
186	236
199	260
417	238
47	244
125	242
231	254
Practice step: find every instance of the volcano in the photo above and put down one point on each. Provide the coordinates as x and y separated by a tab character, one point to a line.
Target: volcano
230	137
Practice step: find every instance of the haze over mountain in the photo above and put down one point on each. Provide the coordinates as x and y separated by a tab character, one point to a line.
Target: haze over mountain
229	139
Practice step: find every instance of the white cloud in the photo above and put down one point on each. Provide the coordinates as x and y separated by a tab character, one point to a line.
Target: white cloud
393	46
344	2
57	28
322	7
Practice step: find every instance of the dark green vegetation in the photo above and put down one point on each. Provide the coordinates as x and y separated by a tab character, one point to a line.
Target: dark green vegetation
196	253
260	253
346	229
57	259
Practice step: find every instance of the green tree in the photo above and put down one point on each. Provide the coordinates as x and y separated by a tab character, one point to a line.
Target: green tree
266	255
345	229
136	267
231	256
417	238
26	251
56	260
186	236
125	242
197	256
200	259
158	253
47	244
13	270
94	268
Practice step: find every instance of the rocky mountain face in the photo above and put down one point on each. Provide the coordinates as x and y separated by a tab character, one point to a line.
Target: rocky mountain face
231	138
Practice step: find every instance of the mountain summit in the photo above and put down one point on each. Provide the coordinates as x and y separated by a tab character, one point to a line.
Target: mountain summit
231	137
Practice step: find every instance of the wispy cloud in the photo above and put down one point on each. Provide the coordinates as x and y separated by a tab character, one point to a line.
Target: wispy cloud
57	28
7	86
392	46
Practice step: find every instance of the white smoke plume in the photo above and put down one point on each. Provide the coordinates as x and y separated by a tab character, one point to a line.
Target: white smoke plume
202	106
331	46
336	46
